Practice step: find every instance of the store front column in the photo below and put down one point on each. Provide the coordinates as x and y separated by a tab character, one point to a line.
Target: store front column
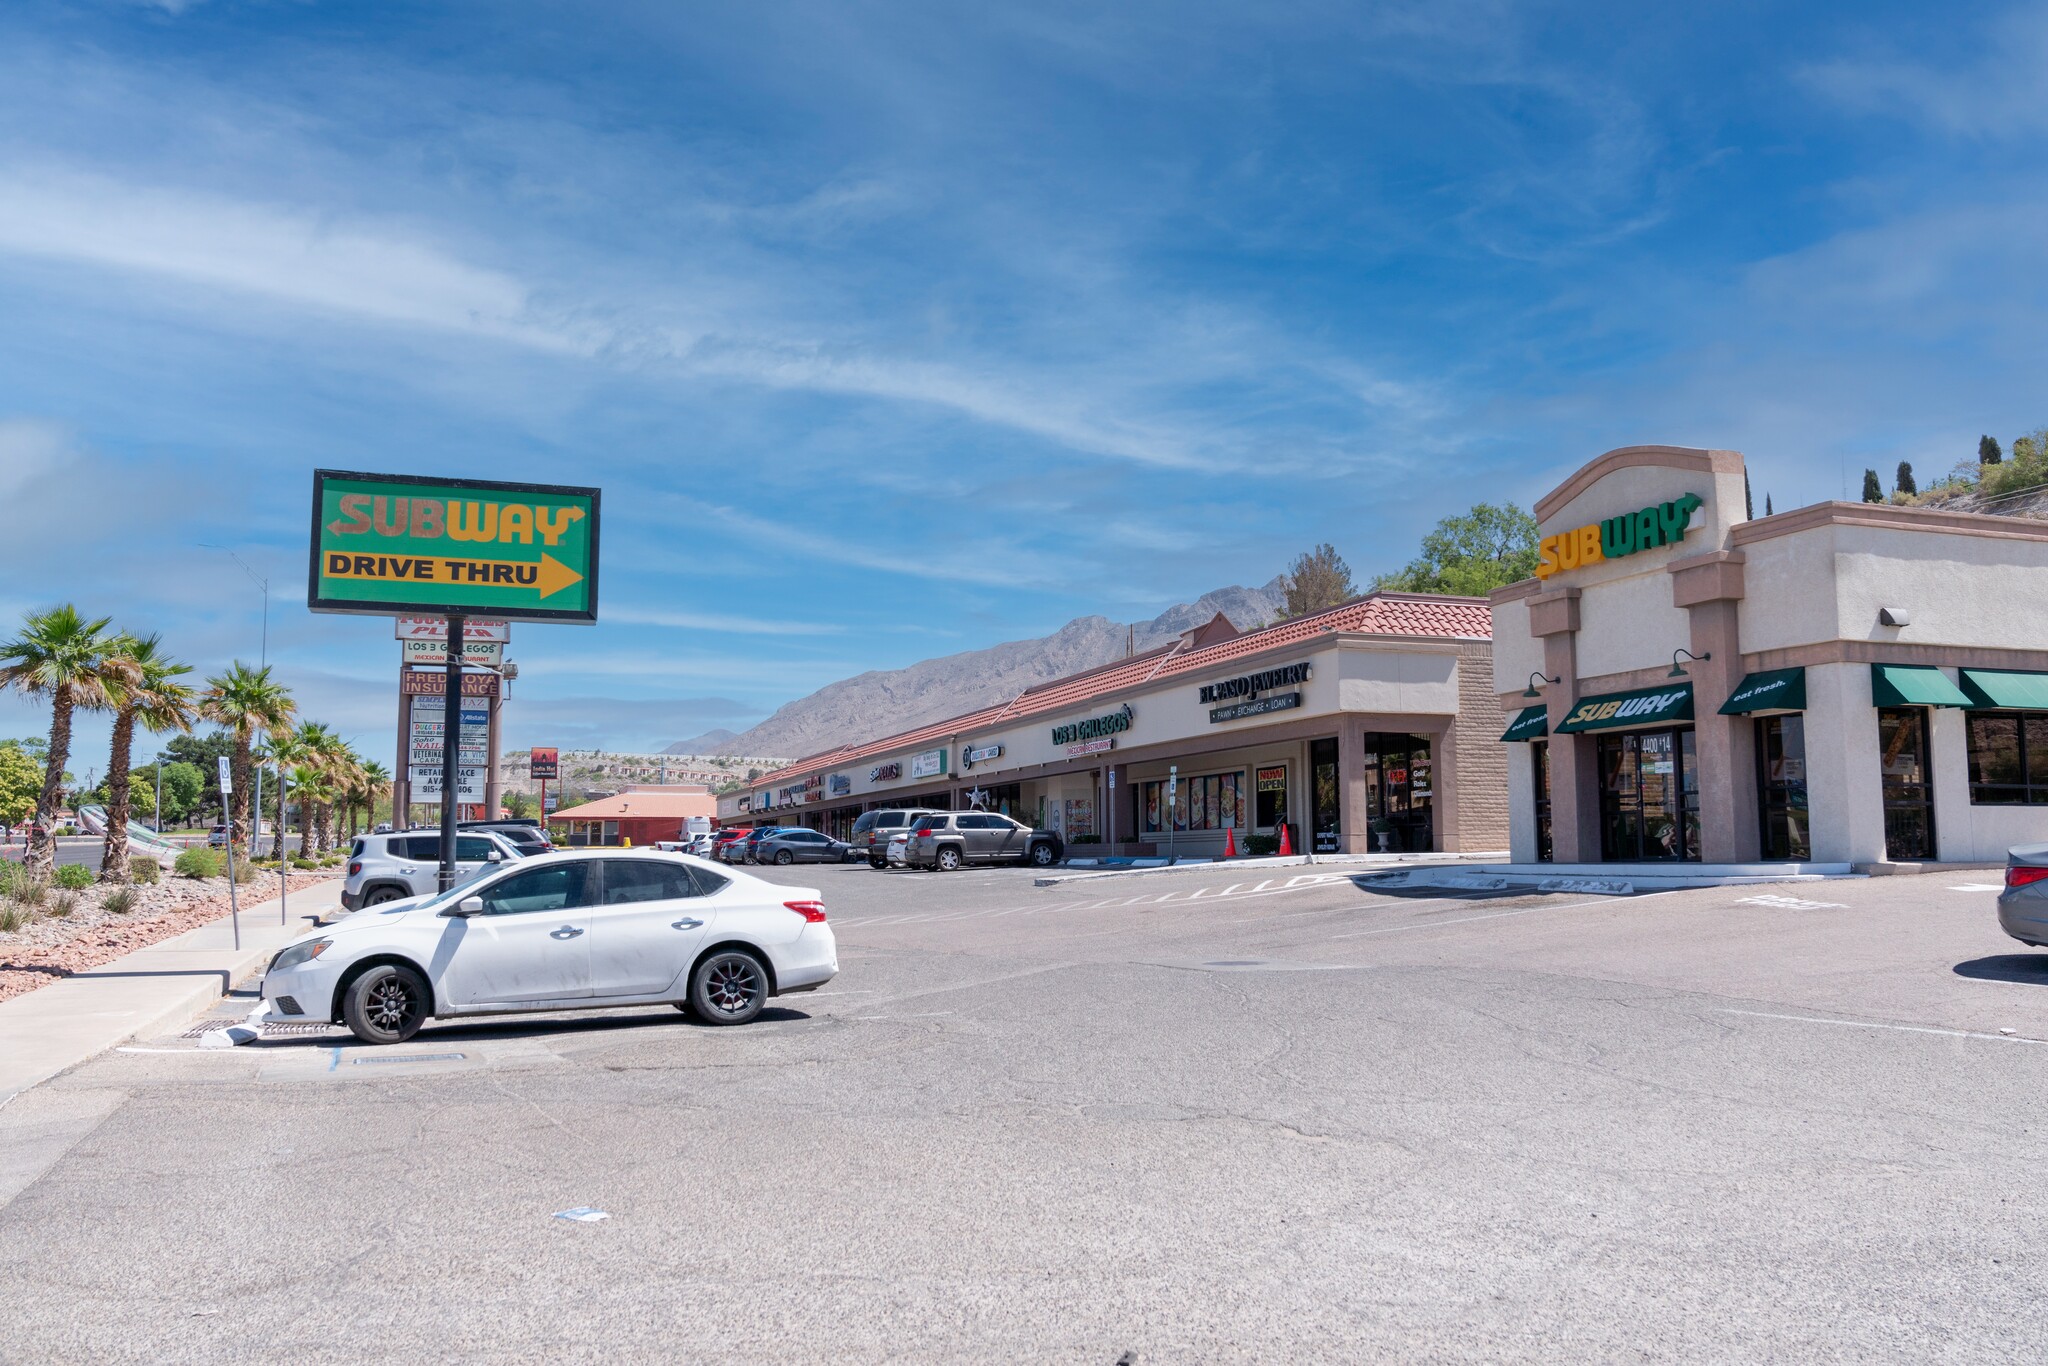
1357	821
1708	587
1574	767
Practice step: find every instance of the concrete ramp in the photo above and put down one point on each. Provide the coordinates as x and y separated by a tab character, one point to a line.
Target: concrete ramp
1606	879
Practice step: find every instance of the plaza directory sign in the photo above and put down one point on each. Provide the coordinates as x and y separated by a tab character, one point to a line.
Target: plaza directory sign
410	545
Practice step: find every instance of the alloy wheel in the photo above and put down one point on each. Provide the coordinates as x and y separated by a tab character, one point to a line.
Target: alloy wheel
391	1005
733	984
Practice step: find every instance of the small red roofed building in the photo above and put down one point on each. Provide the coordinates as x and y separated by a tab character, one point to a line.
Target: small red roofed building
644	814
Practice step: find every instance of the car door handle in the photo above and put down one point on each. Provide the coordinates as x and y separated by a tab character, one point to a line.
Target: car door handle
685	924
566	932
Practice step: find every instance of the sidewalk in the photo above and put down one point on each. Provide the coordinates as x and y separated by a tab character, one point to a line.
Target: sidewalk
150	991
1091	870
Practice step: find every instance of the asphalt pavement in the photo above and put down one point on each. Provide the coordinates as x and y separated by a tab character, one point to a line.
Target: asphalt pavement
1228	1116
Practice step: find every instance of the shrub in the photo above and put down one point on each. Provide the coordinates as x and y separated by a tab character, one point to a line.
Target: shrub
63	904
1261	844
1085	839
198	863
14	917
30	892
145	870
121	900
12	875
74	877
303	863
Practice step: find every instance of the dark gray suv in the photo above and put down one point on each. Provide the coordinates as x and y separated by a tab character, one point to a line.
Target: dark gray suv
870	835
801	846
944	840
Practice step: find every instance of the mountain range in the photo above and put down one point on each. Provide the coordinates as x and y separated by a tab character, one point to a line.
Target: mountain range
888	700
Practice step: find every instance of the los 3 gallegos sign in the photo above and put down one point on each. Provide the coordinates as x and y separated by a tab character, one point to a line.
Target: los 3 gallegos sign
393	543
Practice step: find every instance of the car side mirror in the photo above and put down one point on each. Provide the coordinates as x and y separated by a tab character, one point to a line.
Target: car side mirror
494	857
467	907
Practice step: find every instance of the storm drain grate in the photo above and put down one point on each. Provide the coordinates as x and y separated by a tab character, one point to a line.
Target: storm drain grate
270	1031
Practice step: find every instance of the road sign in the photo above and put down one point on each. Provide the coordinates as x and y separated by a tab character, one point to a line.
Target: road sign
436	628
227	777
545	763
395	544
429	739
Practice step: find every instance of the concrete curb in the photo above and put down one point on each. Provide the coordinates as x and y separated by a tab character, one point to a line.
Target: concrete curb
1388	862
151	991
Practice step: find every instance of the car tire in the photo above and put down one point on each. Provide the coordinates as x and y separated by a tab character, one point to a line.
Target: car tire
728	988
783	858
947	860
1041	855
387	1004
378	896
879	864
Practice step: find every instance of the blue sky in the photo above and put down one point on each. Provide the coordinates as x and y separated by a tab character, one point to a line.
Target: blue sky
893	330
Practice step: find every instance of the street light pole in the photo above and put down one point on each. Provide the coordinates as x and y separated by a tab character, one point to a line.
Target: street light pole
262	661
159	792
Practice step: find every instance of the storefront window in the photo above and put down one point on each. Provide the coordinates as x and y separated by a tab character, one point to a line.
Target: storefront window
1272	796
1539	756
1210	802
1649	796
1781	787
1400	796
1908	795
1328	793
2008	758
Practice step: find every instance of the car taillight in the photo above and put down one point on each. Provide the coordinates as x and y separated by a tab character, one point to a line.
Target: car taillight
355	867
813	911
2019	875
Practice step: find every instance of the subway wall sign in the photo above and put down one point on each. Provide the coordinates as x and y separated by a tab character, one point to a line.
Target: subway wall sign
1664	524
399	544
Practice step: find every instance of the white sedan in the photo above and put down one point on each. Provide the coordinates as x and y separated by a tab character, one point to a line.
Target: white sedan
565	931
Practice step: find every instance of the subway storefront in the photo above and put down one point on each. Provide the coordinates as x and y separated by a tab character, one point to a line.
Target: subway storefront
1842	683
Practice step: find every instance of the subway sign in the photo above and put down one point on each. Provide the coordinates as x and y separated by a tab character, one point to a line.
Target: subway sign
1094	728
399	544
1664	524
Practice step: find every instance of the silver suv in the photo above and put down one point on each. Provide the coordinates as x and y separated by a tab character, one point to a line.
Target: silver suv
870	834
384	868
944	840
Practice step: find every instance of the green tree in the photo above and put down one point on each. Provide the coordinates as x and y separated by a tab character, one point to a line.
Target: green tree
204	752
61	656
184	786
1987	451
1317	579
1748	503
145	687
1873	492
518	805
1471	554
1904	483
1767	505
246	700
21	779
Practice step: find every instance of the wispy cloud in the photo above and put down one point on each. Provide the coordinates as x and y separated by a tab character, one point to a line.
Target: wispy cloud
711	621
1995	96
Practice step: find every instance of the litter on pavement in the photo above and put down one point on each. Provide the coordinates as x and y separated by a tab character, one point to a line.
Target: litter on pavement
582	1214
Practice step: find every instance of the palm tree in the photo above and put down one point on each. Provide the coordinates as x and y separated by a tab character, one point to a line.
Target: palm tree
310	785
325	754
246	700
62	656
286	750
146	690
376	786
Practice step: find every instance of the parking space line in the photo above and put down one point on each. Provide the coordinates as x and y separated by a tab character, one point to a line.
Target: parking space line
1877	1024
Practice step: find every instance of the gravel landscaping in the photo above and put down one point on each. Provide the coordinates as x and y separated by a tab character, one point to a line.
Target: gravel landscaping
52	947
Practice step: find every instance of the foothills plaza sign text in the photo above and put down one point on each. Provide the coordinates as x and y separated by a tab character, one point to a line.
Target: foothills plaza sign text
1664	524
395	544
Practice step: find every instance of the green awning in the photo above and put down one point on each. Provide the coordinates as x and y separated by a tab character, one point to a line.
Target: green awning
1771	690
2001	688
1531	724
1644	707
1913	685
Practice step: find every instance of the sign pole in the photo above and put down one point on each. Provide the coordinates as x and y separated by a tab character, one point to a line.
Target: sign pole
227	790
451	749
284	854
1172	795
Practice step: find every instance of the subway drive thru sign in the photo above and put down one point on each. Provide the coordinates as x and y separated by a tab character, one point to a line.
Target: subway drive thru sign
394	544
403	545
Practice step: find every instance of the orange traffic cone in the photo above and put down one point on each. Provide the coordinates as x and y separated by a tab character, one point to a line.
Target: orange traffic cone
1230	842
1286	843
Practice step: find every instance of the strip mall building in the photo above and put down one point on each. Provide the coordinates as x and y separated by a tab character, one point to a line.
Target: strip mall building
1844	683
1371	726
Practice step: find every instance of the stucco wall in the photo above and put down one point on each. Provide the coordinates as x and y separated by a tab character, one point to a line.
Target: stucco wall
1521	793
1516	653
1629	623
1844	780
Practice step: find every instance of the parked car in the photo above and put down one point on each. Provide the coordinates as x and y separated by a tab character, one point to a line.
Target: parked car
571	930
722	843
2023	905
526	836
387	868
217	838
872	830
748	849
899	850
945	840
700	844
785	847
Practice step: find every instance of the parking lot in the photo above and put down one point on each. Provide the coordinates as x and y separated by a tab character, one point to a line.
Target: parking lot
1227	1114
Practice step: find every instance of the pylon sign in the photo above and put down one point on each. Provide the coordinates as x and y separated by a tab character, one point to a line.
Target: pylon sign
391	544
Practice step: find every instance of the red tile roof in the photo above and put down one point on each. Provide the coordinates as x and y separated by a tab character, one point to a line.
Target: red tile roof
1413	615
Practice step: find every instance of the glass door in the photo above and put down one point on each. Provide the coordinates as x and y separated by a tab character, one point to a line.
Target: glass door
1400	793
1908	790
1539	755
1649	796
1326	792
1781	786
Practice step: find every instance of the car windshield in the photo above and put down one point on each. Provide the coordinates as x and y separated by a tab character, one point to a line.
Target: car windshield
927	822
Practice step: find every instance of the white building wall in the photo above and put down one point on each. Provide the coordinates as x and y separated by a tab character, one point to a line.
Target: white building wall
1516	653
1973	834
1629	623
1522	802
